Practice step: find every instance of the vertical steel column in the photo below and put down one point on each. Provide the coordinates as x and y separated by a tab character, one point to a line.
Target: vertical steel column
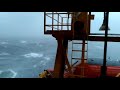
65	44
44	22
104	68
59	61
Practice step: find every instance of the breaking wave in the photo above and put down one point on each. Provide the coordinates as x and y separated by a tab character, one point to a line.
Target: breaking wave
8	74
33	55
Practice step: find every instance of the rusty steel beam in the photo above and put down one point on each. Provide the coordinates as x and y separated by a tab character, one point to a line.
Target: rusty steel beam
92	37
102	38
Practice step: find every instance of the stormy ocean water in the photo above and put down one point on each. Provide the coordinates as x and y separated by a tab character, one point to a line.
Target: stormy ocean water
25	51
26	58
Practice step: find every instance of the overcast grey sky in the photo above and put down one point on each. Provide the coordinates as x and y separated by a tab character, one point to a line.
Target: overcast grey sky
114	22
30	24
21	24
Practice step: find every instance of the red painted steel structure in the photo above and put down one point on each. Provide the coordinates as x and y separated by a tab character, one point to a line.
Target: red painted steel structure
64	31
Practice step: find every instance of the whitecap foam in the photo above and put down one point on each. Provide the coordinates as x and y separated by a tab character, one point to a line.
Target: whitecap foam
22	41
33	55
43	62
4	53
47	58
14	73
3	42
8	74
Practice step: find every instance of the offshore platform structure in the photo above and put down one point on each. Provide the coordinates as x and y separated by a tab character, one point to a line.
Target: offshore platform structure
74	26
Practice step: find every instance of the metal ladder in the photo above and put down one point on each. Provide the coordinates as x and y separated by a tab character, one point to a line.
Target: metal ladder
82	44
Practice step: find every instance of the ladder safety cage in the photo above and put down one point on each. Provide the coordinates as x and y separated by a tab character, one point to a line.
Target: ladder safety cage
57	21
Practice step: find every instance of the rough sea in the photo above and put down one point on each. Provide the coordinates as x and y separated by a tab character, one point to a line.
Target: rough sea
27	57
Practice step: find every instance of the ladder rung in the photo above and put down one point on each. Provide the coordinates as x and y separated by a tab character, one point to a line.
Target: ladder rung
78	58
79	51
79	43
